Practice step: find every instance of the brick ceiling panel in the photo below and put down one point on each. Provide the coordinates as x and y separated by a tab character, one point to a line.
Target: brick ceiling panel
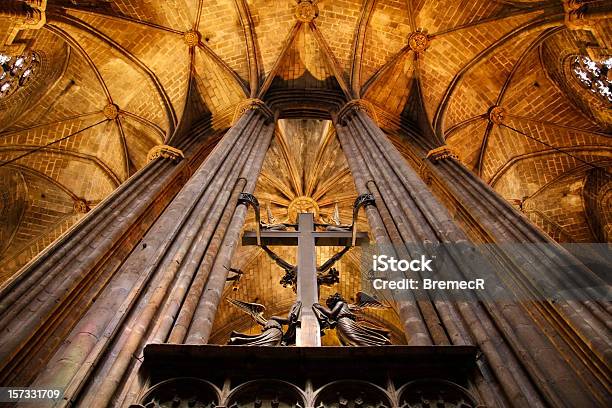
102	141
452	53
392	89
303	65
53	54
140	138
222	32
483	84
67	169
272	27
562	205
556	56
13	204
121	75
528	175
337	21
389	24
47	206
176	14
77	92
534	95
506	145
466	140
445	14
164	53
216	87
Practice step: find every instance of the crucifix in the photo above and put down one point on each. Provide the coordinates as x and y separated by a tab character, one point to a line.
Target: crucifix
306	274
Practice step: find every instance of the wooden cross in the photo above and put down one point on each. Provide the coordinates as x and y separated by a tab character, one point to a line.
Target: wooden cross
307	238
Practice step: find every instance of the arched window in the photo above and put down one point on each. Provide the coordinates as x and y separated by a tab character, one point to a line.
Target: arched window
595	76
16	72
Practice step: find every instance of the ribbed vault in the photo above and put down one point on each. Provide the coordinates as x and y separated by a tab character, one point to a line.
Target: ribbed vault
166	64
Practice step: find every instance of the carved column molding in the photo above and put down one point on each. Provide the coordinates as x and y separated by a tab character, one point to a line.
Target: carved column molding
441	153
169	286
354	106
253	104
407	214
23	15
434	156
165	152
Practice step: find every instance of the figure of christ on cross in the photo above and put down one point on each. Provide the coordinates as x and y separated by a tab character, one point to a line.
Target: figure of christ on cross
306	238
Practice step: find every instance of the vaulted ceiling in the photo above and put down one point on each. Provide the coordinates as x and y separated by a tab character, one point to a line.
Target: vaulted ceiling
155	60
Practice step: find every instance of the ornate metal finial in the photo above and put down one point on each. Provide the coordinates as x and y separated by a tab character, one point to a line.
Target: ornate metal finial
364	200
252	104
111	111
248	199
81	206
165	152
306	11
418	41
440	153
355	105
191	38
497	114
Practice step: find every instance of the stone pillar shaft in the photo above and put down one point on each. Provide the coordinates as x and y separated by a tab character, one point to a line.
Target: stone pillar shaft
517	350
164	276
535	262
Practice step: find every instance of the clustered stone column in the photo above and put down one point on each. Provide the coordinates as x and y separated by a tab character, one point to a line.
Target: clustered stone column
519	356
533	264
169	287
40	305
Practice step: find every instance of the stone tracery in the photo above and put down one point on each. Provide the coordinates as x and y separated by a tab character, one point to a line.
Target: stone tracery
17	71
594	76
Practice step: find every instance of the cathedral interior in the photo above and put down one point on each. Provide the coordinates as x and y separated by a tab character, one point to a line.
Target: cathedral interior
148	147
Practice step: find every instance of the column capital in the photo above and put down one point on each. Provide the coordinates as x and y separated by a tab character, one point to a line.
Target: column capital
306	11
252	104
441	153
356	105
165	152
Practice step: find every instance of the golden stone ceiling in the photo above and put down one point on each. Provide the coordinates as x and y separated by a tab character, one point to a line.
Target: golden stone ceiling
164	64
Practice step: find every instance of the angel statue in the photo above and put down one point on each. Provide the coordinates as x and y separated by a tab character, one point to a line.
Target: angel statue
335	224
272	329
350	326
273	224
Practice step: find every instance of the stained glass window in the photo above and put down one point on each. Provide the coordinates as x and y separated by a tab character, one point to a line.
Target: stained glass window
595	76
17	71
